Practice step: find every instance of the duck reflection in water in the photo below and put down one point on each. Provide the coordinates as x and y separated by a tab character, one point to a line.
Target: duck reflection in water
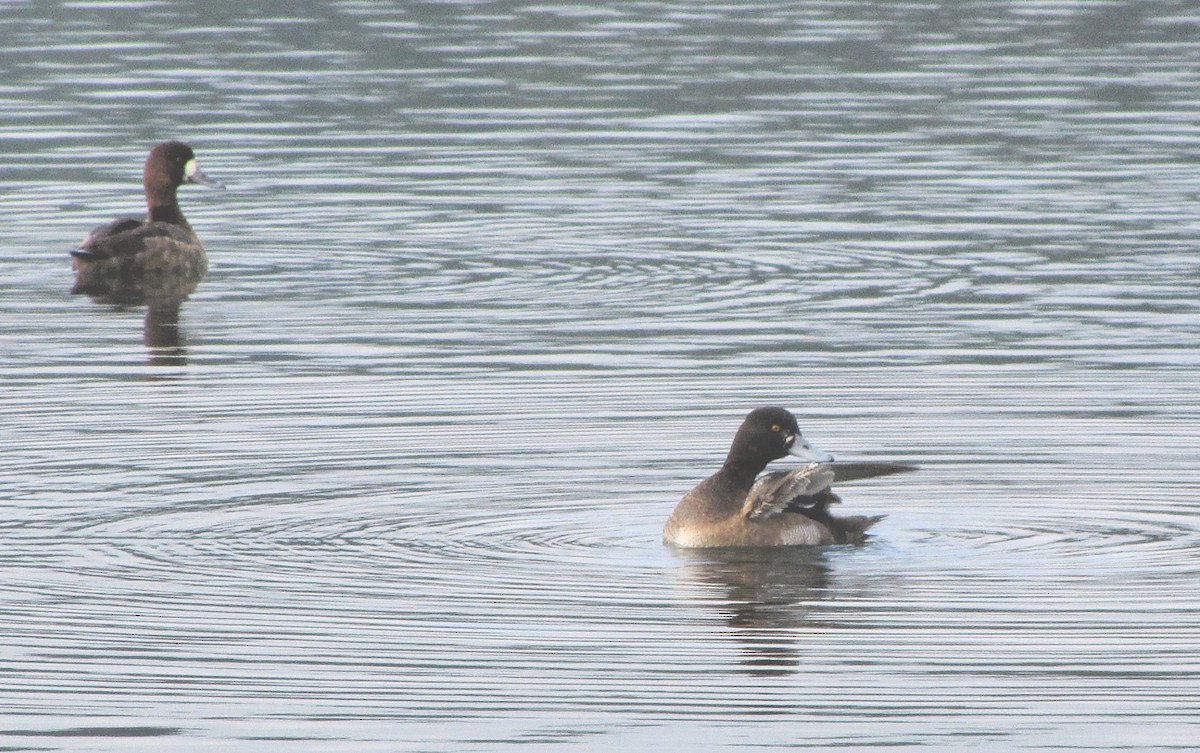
161	335
765	598
157	261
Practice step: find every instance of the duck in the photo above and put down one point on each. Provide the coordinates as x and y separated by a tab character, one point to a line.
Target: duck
738	507
131	259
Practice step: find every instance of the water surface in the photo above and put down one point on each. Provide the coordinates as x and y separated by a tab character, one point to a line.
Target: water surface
493	285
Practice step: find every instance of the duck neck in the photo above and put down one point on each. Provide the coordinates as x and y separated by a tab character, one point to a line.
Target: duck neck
743	470
163	206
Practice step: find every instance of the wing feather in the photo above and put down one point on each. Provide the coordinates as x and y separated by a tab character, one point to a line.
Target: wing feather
853	471
774	492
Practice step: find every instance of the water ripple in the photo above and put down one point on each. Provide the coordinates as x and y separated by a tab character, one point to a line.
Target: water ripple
488	292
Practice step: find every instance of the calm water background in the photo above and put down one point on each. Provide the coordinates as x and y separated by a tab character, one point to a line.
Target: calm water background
493	285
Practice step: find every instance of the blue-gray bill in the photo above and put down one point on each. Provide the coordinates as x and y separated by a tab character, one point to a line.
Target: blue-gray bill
805	450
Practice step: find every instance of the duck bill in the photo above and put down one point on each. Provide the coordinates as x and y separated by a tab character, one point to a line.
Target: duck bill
199	177
803	449
193	174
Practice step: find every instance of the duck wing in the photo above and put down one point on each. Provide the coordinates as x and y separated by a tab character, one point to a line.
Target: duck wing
843	472
127	236
775	492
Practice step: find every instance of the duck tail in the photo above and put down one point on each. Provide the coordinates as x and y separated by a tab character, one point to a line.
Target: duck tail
852	529
860	523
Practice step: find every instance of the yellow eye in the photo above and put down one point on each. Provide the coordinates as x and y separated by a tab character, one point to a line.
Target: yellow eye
774	427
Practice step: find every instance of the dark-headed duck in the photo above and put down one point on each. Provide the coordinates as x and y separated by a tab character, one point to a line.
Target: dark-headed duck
118	262
735	507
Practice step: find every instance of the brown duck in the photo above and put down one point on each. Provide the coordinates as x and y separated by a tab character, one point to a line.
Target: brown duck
736	507
131	261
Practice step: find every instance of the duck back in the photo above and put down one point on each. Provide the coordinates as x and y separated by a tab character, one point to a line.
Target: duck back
130	261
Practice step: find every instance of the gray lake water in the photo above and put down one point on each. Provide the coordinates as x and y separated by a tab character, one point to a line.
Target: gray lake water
492	286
